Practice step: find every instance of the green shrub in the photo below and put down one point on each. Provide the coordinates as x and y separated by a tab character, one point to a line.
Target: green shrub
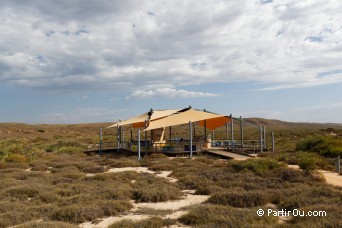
323	145
69	150
309	162
16	158
308	165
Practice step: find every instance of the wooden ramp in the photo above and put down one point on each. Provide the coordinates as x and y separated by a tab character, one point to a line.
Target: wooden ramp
227	154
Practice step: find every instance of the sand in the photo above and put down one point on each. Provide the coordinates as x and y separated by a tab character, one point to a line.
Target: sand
176	206
330	177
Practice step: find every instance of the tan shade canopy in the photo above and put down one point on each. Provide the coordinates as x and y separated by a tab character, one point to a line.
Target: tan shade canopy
214	123
212	119
139	121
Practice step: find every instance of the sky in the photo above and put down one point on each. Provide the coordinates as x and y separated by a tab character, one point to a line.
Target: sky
81	61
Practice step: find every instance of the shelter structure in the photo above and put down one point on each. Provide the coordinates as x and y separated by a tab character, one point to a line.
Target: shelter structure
155	123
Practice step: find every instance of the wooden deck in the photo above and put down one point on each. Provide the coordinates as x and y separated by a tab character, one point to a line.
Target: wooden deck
213	151
226	154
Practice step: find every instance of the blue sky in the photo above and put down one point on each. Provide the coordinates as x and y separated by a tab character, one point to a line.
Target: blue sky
100	61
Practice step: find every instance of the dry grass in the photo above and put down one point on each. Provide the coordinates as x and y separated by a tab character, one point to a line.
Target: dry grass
225	216
67	196
153	222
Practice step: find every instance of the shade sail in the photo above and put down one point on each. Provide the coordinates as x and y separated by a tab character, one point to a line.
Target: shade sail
214	123
139	121
186	116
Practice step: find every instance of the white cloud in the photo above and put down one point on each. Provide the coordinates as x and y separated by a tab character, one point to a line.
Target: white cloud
120	45
81	115
169	93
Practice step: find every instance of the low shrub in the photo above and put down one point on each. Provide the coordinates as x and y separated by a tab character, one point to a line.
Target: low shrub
257	166
240	199
45	224
78	213
153	189
16	158
153	222
224	216
69	150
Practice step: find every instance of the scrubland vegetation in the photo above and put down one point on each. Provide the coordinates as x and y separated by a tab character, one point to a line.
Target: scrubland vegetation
47	181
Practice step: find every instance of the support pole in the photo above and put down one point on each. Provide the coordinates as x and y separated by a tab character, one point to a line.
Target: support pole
232	130
190	132
145	138
241	132
260	131
265	145
227	134
205	129
273	148
213	137
123	135
100	140
131	142
118	136
170	133
338	164
139	156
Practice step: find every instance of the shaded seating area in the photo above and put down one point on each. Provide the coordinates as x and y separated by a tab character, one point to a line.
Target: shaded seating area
147	133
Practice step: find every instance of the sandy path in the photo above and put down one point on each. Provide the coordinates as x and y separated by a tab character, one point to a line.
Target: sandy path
164	174
330	177
175	206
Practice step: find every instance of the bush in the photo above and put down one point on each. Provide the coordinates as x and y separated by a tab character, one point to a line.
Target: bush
153	189
240	199
78	213
224	216
47	224
309	162
16	158
323	145
154	222
257	166
308	165
69	150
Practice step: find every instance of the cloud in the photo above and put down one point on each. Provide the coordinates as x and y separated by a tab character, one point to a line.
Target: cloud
81	115
169	93
125	45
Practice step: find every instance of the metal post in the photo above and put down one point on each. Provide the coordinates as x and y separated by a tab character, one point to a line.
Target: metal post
131	142
145	138
100	140
170	133
260	130
273	148
213	138
205	129
117	136
265	145
190	132
232	130
227	133
338	164
241	132
139	156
